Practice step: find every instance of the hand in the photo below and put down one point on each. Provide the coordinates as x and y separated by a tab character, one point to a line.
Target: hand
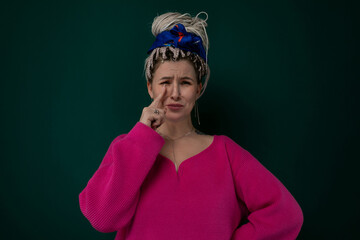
149	117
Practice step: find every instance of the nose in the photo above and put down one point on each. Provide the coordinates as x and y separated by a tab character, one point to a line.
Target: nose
175	91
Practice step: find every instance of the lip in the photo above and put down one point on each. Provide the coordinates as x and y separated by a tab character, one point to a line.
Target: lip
174	107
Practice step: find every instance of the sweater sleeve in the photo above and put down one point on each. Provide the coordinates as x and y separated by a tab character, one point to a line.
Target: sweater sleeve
273	213
110	198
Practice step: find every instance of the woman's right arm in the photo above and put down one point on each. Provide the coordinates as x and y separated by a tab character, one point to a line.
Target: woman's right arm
110	198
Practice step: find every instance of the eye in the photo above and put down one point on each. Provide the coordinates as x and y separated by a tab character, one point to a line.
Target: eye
185	82
165	82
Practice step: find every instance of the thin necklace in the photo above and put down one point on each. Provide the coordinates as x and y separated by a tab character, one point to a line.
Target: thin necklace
172	140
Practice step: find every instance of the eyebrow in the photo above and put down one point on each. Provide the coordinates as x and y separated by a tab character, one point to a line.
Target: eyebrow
188	78
183	78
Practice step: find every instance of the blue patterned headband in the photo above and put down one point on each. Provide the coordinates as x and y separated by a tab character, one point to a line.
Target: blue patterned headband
178	37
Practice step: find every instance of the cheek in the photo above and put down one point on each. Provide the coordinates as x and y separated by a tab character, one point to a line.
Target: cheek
156	91
193	93
191	96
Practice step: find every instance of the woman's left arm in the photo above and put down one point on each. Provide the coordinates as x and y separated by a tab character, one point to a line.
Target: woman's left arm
273	211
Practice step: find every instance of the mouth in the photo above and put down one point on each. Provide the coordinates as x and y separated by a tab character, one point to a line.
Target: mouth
175	106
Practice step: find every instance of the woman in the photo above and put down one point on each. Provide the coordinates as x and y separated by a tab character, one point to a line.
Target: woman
166	180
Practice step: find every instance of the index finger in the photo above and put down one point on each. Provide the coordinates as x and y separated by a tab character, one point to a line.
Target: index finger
158	101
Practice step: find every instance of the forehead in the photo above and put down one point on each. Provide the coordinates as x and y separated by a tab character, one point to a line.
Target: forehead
177	68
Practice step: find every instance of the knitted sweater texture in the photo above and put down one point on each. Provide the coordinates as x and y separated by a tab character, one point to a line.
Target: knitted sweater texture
221	193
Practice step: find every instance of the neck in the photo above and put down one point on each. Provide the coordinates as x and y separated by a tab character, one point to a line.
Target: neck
176	129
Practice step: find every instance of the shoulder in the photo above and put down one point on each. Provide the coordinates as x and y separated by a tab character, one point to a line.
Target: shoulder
234	151
119	137
229	143
240	159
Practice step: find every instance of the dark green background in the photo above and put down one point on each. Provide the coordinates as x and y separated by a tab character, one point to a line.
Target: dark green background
283	86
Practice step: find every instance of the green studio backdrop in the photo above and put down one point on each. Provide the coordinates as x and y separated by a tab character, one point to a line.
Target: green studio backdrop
282	86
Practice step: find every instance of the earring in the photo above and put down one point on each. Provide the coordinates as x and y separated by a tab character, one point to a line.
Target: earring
197	112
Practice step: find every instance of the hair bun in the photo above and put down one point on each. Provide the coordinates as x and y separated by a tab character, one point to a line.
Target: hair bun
196	25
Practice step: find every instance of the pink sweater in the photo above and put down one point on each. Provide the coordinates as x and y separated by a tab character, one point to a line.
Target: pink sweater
138	193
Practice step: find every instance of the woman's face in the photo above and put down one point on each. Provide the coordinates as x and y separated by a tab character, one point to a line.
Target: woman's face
182	89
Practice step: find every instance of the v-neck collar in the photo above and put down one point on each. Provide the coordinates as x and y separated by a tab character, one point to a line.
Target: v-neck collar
194	156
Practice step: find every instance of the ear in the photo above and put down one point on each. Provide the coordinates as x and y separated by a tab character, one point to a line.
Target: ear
149	87
198	91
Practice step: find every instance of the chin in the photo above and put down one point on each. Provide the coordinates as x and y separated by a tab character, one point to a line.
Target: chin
176	117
